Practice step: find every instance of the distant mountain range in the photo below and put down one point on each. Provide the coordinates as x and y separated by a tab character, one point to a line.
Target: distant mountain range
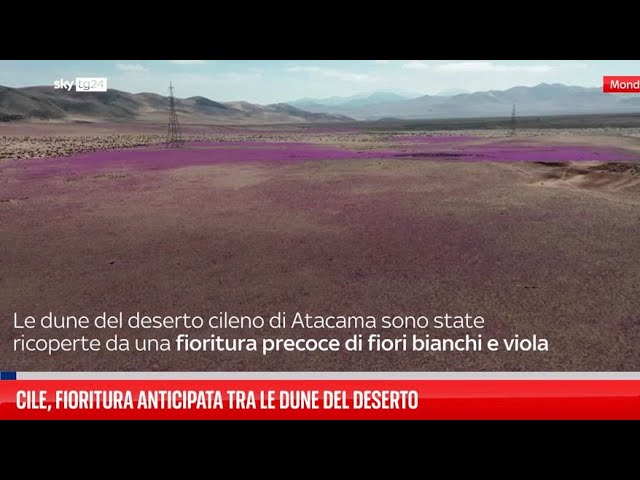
543	99
353	101
450	92
47	103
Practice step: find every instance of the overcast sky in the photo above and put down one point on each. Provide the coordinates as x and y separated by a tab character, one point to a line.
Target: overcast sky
270	81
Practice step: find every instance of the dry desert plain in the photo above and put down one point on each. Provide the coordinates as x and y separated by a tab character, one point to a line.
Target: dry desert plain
538	233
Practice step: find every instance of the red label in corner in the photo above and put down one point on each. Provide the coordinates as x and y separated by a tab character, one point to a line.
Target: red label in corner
621	84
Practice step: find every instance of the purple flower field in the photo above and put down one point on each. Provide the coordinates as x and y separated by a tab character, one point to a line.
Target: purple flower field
422	148
346	224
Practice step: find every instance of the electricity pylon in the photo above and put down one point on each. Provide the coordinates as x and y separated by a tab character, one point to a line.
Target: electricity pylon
174	136
512	129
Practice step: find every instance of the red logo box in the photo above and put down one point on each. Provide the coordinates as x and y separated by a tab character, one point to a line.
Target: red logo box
621	84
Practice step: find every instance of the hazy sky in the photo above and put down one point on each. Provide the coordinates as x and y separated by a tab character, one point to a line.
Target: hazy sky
270	81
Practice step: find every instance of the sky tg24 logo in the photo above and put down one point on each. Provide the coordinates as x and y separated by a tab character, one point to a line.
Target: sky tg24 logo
82	84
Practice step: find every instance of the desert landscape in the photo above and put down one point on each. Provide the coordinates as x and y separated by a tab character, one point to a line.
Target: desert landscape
537	232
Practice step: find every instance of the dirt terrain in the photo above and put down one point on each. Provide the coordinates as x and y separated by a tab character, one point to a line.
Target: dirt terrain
538	233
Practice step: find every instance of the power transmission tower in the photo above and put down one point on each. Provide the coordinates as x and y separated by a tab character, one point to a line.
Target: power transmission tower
512	129
174	136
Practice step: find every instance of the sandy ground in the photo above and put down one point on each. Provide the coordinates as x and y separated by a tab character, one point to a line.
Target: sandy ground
40	140
544	249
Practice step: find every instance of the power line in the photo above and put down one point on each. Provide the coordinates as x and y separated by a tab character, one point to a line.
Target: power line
512	129
174	135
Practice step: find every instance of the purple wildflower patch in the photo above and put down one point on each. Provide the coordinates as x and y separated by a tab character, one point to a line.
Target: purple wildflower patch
156	157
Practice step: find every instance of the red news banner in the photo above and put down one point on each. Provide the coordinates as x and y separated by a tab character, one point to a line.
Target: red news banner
320	399
621	84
